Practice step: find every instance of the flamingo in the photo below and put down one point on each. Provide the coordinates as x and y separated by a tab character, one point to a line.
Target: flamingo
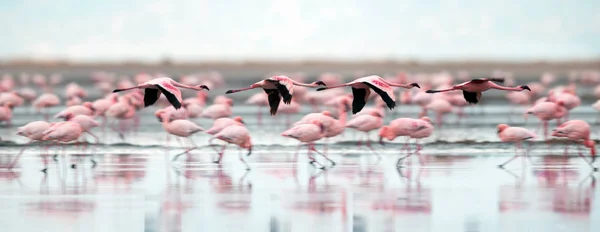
366	123
234	134
515	135
361	89
85	109
277	87
46	100
472	89
34	132
413	128
547	111
6	113
221	123
179	127
165	85
64	132
578	131
259	99
309	133
440	106
215	111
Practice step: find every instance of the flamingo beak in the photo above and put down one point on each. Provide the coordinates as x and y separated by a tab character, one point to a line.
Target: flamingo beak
249	151
524	87
415	85
204	87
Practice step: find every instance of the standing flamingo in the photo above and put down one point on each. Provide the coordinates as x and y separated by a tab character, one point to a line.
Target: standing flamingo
165	85
578	131
179	128
64	132
361	89
235	134
309	133
515	135
472	89
277	87
34	132
221	123
547	111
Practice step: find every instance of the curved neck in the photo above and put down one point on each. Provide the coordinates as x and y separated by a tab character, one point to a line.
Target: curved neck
165	121
495	86
343	115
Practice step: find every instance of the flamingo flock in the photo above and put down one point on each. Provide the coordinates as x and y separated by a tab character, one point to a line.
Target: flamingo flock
126	97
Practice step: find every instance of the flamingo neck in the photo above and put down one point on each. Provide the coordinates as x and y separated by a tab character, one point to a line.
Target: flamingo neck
312	85
406	86
175	83
343	115
495	86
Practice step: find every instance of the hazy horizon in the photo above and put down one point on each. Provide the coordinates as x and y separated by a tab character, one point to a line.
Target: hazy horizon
290	30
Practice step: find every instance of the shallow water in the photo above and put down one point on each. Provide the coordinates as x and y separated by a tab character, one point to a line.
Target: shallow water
136	187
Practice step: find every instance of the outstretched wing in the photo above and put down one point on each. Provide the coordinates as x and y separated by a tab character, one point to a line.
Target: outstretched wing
472	97
385	95
174	99
359	99
150	96
274	100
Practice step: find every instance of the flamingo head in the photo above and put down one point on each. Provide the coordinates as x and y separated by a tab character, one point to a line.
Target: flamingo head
68	116
385	132
239	119
346	103
9	105
319	83
201	87
415	85
160	115
592	146
248	145
525	87
501	127
427	119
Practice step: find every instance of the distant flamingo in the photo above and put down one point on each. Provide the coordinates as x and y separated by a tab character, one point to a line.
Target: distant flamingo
472	89
547	111
309	133
215	111
164	85
578	131
6	113
277	87
235	134
366	123
86	122
413	128
515	135
122	110
440	106
12	98
85	109
361	89
260	100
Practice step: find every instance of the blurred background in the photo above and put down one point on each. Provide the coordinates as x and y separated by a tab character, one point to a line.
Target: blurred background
213	33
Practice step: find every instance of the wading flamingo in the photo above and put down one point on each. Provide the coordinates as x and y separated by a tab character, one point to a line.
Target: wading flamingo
515	135
235	134
578	131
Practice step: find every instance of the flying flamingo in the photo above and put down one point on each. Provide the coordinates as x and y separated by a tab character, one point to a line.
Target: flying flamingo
361	89
277	87
578	131
234	134
165	85
366	123
472	89
309	133
34	132
515	135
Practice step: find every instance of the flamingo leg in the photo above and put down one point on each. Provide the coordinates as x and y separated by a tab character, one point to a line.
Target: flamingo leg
545	123
242	159
511	159
312	159
418	152
12	164
259	115
218	161
370	147
312	148
296	152
585	159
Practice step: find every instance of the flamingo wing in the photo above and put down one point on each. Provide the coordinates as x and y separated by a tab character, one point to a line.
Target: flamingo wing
284	90
360	99
174	98
471	97
274	100
482	80
385	95
150	96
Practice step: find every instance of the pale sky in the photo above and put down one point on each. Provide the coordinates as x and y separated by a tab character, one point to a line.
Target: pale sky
299	29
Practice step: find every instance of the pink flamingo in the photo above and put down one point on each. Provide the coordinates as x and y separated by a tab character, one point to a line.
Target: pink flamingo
440	106
11	97
472	89
34	132
64	132
86	122
85	109
260	100
547	111
73	90
179	128
234	134
361	89
514	135
221	123
6	113
309	133
397	128
74	101
28	94
217	111
366	123
569	100
166	86
122	110
46	100
578	131
277	87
